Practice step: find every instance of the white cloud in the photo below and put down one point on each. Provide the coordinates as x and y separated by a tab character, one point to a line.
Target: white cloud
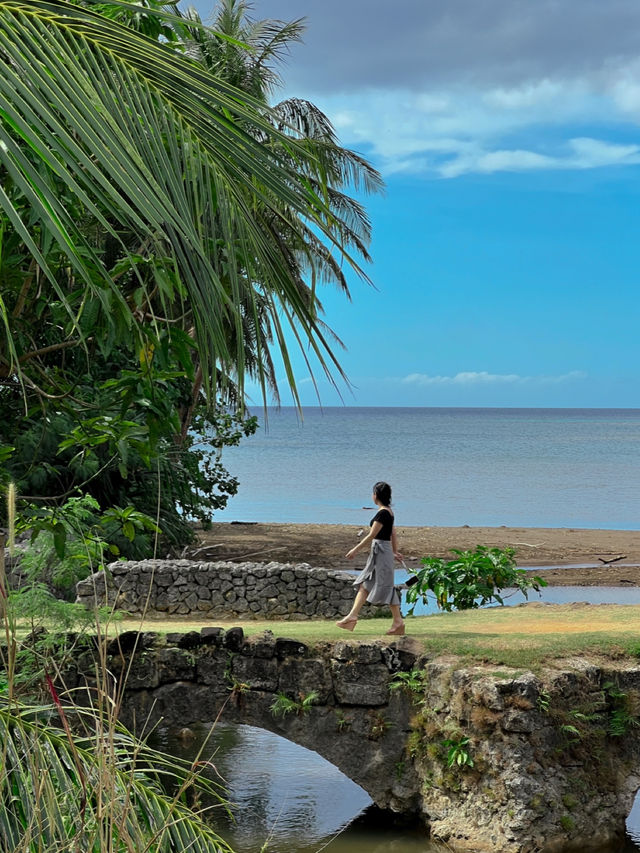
581	153
589	153
482	377
461	130
497	161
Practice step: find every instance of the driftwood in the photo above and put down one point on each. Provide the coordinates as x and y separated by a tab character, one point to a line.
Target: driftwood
612	560
197	551
263	551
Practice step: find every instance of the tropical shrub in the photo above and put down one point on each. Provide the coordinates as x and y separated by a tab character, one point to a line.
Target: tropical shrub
471	579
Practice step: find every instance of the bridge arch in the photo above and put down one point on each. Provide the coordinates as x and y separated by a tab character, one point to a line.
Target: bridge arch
278	790
524	782
340	702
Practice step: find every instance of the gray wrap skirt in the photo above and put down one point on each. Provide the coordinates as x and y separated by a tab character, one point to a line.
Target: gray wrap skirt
377	575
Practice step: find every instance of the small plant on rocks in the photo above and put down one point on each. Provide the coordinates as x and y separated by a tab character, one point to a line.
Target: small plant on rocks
282	705
458	753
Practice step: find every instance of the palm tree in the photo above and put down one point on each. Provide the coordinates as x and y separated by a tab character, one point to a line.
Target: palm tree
103	127
64	790
245	53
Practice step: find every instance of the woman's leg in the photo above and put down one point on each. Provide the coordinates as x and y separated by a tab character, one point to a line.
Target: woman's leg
397	616
352	616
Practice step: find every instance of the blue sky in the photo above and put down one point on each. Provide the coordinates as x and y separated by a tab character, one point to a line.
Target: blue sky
505	251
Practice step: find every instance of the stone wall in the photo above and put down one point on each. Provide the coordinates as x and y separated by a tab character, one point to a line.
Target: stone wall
221	590
490	760
517	762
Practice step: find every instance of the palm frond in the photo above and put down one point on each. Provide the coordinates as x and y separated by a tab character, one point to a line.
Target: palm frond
140	135
60	792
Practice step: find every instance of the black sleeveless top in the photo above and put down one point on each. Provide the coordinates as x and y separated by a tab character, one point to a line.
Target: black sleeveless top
385	518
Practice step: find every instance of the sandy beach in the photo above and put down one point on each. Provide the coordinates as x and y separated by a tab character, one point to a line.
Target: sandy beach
571	556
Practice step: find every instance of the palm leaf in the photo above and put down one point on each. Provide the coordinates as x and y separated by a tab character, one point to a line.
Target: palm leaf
100	793
141	136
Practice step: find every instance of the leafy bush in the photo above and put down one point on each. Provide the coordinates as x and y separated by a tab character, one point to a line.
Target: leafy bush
472	579
129	452
70	542
412	682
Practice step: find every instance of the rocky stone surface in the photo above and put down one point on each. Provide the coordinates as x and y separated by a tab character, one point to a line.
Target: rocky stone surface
337	697
487	758
529	763
221	590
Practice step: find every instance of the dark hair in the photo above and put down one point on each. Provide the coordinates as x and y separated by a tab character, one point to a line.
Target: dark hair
382	491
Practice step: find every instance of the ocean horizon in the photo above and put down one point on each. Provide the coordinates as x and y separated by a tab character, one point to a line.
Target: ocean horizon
448	467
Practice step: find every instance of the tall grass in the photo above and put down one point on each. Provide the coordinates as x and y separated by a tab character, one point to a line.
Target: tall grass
73	779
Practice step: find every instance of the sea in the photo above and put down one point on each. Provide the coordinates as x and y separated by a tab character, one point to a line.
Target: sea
447	467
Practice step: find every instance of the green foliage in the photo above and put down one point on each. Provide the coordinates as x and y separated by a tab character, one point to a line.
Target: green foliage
379	726
458	754
472	579
71	541
342	722
543	701
157	237
633	648
283	705
128	458
37	605
567	823
623	716
73	779
412	682
80	791
572	734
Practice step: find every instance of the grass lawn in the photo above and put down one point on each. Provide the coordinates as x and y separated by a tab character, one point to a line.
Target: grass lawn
529	636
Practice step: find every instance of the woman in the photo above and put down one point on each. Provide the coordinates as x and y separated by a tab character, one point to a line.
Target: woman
375	582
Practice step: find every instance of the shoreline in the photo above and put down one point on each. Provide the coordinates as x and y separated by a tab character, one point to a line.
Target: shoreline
567	556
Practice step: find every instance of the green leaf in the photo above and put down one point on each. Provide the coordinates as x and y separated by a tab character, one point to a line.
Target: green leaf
59	539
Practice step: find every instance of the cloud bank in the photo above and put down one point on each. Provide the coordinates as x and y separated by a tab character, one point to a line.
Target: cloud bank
452	87
482	377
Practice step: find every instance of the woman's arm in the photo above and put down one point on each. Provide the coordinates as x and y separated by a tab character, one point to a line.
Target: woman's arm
376	527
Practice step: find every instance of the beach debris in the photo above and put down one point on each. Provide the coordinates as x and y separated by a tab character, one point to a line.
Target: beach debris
529	545
262	551
201	550
612	559
360	532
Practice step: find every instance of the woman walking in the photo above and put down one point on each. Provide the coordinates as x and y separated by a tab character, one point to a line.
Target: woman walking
375	582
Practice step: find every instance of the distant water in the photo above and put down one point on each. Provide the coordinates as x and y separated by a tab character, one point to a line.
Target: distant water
447	467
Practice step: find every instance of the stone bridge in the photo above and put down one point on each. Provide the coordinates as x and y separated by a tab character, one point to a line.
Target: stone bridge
486	758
